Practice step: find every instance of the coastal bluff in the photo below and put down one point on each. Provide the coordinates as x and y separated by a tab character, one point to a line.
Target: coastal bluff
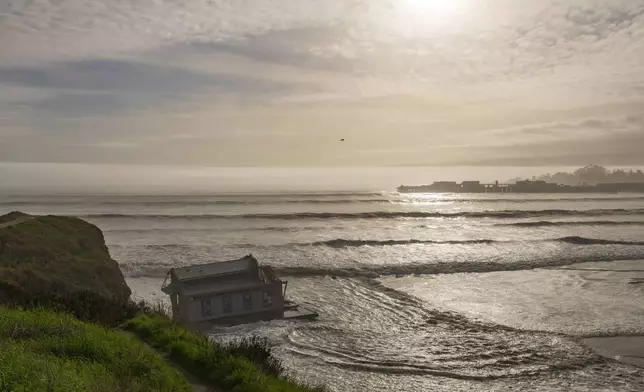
67	323
41	255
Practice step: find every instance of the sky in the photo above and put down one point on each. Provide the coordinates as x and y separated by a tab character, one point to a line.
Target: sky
278	83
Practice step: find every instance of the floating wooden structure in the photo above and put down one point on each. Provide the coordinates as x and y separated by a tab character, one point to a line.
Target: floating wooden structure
230	292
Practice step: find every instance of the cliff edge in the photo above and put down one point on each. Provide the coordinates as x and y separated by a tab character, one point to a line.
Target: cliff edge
55	254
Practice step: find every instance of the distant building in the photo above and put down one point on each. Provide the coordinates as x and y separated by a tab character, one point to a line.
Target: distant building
230	292
445	186
472	187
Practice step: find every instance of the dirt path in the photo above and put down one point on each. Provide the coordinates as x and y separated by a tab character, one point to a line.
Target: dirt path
197	385
16	221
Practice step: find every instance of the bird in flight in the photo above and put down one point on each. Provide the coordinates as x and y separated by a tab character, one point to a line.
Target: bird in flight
341	140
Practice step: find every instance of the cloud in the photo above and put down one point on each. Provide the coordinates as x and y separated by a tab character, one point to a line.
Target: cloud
104	144
583	128
207	80
608	142
133	77
72	29
110	87
104	75
292	47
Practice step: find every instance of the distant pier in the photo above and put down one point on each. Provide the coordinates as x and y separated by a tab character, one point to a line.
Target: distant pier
522	187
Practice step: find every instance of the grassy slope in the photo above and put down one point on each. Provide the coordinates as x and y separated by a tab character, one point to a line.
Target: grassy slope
210	362
63	264
55	254
45	351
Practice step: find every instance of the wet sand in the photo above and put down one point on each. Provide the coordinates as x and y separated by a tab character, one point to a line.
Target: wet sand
626	349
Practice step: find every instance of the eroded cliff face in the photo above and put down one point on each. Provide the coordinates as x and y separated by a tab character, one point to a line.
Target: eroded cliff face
55	254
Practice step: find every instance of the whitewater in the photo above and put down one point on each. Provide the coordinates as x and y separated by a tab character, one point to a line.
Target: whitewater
415	292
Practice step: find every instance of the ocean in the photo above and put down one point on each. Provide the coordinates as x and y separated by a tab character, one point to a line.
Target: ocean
415	292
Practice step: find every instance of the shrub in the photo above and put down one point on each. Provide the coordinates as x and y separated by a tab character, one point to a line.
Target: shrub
259	352
88	306
239	367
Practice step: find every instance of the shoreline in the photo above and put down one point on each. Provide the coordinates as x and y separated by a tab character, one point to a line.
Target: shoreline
625	349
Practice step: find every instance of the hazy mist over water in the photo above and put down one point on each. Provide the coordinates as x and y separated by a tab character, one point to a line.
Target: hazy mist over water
108	179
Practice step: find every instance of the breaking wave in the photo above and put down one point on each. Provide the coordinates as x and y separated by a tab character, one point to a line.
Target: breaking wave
573	223
159	268
323	199
347	243
168	246
351	243
147	270
344	243
594	241
385	214
378	271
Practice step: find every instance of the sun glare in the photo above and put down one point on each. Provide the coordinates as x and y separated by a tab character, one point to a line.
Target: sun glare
437	10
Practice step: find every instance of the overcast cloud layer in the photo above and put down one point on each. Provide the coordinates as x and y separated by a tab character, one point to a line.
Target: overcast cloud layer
261	82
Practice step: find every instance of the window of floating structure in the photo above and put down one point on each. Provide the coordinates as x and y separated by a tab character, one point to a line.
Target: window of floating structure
206	308
248	301
227	303
267	299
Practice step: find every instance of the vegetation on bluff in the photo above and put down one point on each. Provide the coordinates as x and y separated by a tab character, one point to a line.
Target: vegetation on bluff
63	301
55	255
244	367
46	351
82	351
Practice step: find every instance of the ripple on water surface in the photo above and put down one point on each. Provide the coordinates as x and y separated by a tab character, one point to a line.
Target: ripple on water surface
370	329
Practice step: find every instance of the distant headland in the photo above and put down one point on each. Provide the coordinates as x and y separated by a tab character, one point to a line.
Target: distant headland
589	179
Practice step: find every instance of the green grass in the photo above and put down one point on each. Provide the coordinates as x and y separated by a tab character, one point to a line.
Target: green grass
212	363
45	351
62	264
88	306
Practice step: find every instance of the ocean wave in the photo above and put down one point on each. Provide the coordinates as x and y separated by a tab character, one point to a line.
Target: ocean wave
183	230
345	243
168	246
530	361
331	199
594	241
535	200
160	269
351	243
341	243
502	214
378	271
572	223
403	368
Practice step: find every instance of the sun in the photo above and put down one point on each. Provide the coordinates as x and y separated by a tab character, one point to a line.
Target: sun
439	10
426	18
